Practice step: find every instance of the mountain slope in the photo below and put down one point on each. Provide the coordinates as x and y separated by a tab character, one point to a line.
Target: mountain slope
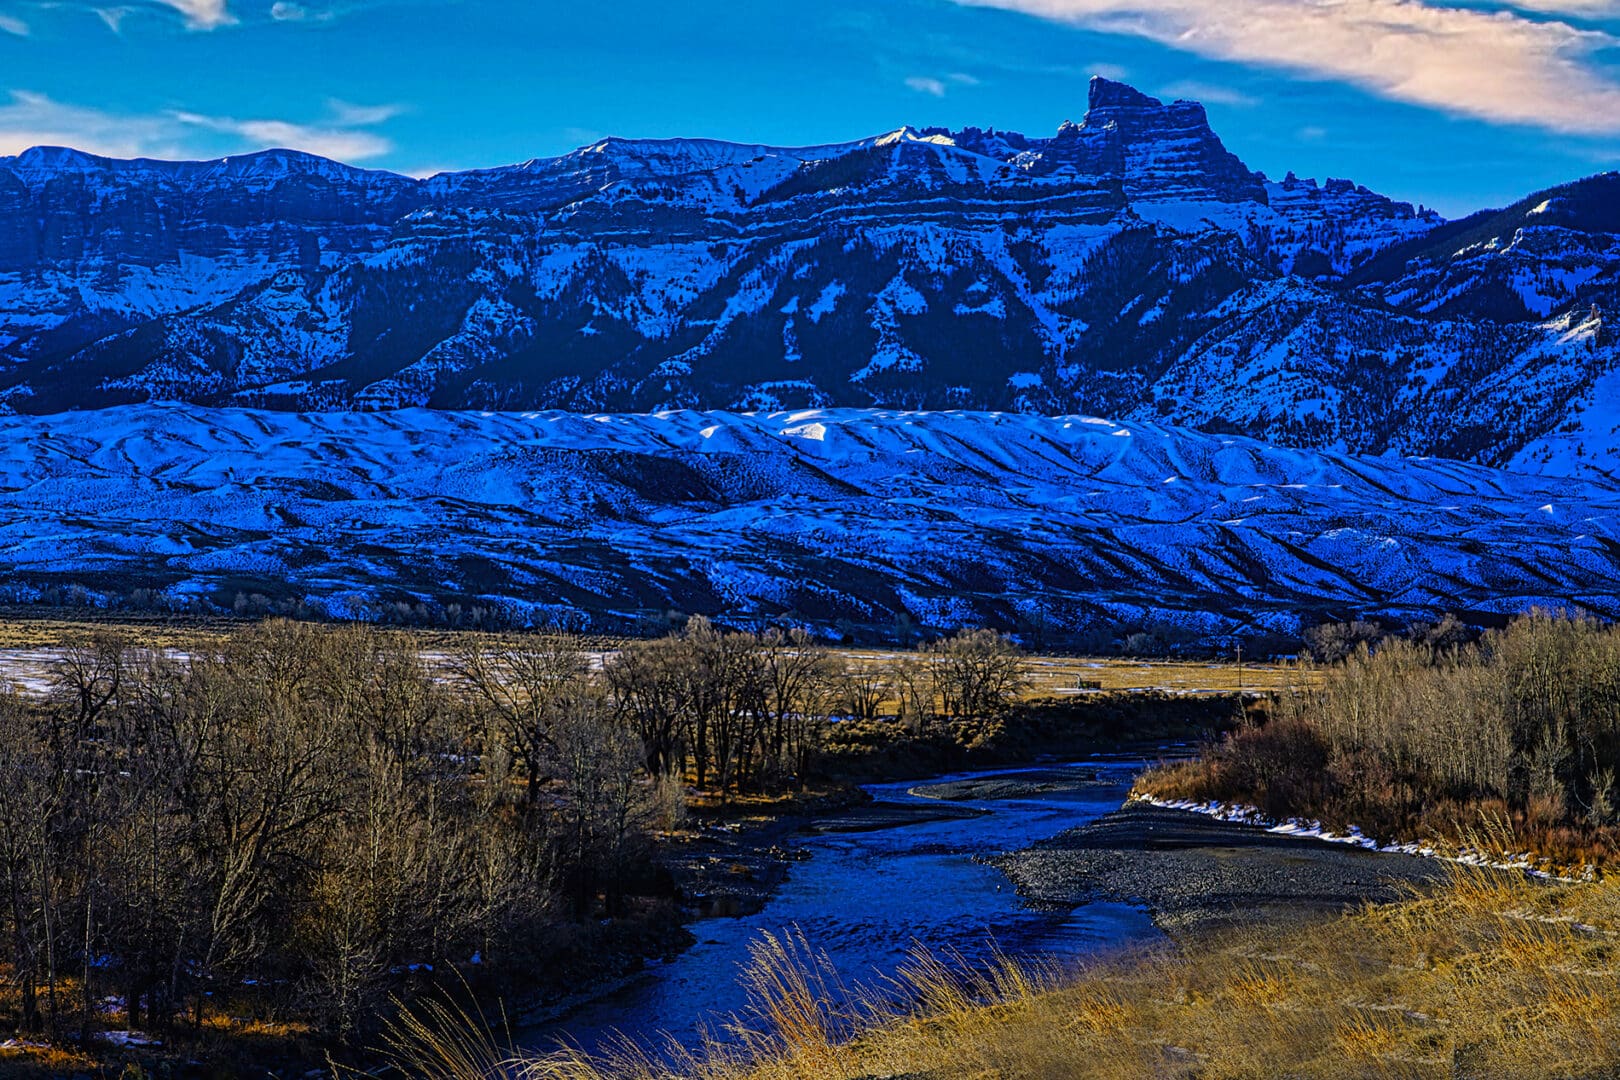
1129	265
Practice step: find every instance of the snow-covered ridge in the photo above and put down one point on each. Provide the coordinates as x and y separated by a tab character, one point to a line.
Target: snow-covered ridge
823	516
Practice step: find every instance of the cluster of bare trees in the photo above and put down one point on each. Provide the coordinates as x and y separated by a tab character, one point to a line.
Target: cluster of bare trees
1331	642
747	710
1529	716
740	710
304	818
972	673
293	816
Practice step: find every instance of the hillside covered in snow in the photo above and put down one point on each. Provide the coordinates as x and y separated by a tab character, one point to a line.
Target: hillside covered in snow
857	521
1128	266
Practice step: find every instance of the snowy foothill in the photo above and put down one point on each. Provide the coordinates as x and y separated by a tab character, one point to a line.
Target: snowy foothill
821	516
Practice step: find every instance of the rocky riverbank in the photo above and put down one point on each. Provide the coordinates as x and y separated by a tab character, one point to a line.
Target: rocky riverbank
1195	873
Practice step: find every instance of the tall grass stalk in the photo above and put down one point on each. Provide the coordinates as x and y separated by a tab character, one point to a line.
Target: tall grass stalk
1486	977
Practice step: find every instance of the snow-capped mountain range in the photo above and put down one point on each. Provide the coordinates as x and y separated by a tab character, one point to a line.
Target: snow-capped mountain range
1127	266
862	520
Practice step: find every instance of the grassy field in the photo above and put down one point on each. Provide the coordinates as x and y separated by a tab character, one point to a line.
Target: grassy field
1057	676
29	645
1054	674
20	629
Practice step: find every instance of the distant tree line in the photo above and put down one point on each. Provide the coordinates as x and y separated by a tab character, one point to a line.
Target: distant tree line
1046	624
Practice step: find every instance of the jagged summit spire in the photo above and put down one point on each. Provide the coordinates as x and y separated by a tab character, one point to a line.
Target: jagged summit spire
1108	94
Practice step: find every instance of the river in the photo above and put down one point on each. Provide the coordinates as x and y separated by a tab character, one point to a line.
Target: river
868	898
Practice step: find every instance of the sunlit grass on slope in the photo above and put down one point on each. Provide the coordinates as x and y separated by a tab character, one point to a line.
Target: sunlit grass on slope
1488	976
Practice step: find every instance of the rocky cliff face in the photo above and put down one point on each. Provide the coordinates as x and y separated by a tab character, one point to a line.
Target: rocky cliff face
1129	265
90	245
1155	152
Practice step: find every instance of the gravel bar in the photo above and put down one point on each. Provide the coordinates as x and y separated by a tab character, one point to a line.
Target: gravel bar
1196	873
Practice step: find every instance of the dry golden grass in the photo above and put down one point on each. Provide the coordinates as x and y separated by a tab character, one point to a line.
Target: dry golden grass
22	1060
23	631
227	1033
439	1040
28	644
1540	836
1056	676
1488	977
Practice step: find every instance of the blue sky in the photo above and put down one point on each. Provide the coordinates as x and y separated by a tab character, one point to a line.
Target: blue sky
1456	104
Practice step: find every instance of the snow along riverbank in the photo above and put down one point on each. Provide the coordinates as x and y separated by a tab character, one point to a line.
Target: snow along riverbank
1250	815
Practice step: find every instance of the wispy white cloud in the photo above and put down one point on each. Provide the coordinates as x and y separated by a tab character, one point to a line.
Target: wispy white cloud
196	14
341	143
348	114
202	14
1502	66
936	87
1592	9
31	119
113	17
1208	93
10	24
292	11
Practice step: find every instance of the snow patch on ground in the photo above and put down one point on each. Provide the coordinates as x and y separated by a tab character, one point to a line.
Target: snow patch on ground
1249	815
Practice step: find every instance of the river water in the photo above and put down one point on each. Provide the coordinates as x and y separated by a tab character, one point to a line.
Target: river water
868	898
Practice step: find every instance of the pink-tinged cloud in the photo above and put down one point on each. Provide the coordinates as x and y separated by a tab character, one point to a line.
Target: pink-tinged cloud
202	14
1498	66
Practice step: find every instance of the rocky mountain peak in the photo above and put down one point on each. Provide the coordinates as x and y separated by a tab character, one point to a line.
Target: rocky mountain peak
1108	94
1159	152
45	161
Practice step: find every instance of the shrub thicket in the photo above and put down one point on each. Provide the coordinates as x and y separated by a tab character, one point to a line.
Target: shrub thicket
1518	730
